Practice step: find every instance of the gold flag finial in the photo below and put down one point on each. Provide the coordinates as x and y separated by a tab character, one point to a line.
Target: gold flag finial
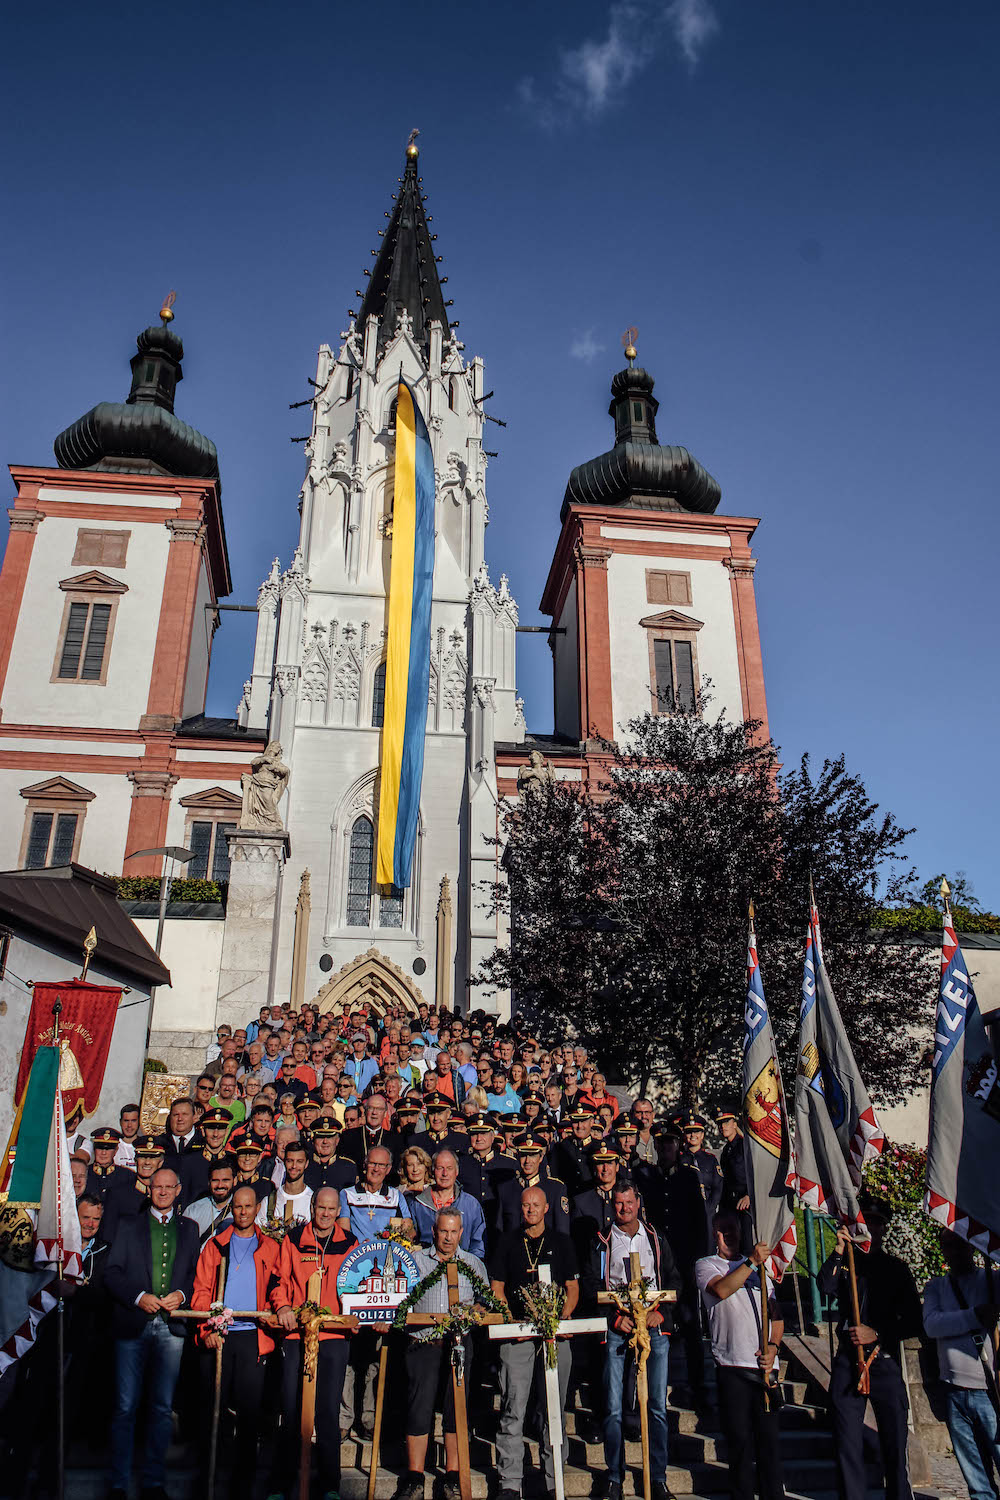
628	341
167	310
751	912
89	944
945	890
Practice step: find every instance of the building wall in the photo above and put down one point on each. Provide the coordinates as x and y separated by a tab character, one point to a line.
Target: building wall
196	682
715	643
30	696
566	669
30	958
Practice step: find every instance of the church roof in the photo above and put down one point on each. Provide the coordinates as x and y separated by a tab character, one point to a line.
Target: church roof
639	471
142	435
405	275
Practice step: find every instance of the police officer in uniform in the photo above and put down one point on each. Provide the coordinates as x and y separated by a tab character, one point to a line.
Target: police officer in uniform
405	1117
131	1197
327	1169
706	1163
483	1169
732	1163
572	1158
248	1174
215	1126
688	1237
591	1218
439	1135
103	1177
532	1172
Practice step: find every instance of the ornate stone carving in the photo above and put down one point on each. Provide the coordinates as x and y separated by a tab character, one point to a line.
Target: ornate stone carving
295	576
267	594
25	520
404	323
186	529
741	567
482	692
519	720
263	787
286	678
351	342
588	555
339	459
537	776
315	671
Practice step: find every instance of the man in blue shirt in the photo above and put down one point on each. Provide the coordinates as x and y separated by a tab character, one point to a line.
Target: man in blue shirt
446	1193
363	1069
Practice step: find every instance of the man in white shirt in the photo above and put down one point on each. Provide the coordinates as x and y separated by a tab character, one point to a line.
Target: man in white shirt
960	1312
730	1289
291	1199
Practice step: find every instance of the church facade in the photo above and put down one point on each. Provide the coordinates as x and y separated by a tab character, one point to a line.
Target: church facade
115	568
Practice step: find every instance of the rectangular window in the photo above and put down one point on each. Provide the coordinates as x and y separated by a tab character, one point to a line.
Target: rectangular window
391	909
51	839
220	856
85	643
200	840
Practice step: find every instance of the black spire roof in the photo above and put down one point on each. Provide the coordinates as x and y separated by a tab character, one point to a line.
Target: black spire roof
405	274
141	435
638	471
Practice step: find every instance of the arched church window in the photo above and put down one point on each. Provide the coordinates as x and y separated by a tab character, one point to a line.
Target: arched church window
451	394
350	382
391	422
359	873
378	697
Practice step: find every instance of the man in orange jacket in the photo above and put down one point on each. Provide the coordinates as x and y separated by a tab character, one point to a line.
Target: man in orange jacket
237	1267
315	1248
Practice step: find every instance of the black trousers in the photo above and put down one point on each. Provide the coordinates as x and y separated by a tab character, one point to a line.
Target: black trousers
888	1399
751	1435
428	1383
241	1397
331	1365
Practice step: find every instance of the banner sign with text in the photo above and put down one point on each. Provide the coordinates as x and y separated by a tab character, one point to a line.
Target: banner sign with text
375	1278
86	1022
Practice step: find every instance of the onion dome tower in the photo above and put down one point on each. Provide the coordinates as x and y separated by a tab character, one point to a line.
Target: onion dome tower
639	471
142	435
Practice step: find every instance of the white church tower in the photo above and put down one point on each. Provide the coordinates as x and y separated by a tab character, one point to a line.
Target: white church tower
318	676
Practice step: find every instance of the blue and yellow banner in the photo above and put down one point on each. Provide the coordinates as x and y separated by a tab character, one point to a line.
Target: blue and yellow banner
408	650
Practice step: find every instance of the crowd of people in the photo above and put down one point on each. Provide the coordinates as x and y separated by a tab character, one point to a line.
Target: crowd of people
307	1135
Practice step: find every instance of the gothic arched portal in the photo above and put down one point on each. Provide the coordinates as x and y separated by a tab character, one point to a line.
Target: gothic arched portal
370	979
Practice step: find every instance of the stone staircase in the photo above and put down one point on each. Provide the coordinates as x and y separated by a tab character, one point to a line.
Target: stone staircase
697	1454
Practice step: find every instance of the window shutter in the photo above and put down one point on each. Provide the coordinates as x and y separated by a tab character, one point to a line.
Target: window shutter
62	844
201	843
685	674
220	858
69	662
664	671
38	841
359	874
97	636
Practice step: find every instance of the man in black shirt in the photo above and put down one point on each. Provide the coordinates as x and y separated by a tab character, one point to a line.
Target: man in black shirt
104	1179
439	1135
889	1309
532	1172
484	1169
358	1140
732	1160
514	1266
591	1218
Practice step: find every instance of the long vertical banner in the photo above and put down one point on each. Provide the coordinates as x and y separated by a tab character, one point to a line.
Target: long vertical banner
408	648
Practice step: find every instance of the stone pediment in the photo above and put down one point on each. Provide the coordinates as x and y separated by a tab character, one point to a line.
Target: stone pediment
58	789
93	583
671	619
215	799
370	979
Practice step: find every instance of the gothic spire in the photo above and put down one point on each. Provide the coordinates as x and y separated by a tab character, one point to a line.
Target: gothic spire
405	276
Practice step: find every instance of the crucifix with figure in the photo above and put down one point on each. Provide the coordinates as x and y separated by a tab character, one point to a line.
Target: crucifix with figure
635	1299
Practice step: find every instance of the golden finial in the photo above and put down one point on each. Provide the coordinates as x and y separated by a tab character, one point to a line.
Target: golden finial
945	890
89	944
411	145
166	311
751	913
628	340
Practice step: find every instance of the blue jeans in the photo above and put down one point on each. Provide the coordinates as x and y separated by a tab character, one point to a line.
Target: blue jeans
155	1356
972	1425
615	1353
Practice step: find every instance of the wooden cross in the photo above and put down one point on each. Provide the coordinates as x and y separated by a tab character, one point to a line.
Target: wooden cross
553	1405
637	1302
310	1357
424	1320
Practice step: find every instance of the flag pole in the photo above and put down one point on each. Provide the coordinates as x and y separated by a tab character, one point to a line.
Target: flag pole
763	1274
61	1304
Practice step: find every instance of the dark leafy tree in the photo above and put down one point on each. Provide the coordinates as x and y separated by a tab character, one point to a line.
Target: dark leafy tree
628	905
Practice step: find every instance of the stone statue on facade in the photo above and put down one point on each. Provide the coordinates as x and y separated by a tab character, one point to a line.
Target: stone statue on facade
537	775
263	787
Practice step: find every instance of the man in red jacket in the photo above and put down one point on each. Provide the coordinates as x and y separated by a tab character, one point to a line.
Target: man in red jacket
236	1267
316	1248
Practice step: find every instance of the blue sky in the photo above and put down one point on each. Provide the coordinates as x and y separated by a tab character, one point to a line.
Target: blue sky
795	203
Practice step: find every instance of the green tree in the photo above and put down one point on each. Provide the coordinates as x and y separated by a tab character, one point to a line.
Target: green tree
628	906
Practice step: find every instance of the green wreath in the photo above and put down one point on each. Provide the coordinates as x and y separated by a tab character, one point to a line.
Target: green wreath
483	1293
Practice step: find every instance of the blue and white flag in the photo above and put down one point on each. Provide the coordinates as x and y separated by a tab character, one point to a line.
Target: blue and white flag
766	1143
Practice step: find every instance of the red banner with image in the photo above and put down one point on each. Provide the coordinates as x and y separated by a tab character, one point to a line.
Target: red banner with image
86	1022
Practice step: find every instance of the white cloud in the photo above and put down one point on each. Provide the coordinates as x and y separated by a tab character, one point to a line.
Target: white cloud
595	74
585	347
